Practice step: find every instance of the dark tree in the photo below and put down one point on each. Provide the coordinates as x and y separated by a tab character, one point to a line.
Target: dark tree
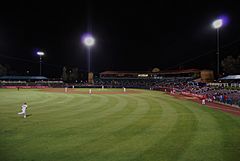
64	74
231	65
73	75
3	70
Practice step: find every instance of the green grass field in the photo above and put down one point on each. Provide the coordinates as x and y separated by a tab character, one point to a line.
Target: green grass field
148	126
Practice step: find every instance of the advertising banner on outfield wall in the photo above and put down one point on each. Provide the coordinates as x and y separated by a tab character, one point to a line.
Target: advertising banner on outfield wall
192	95
25	87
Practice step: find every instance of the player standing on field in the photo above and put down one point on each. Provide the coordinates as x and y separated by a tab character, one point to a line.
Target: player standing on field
24	108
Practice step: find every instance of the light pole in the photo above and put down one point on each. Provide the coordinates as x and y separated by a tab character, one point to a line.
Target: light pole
89	41
40	53
217	24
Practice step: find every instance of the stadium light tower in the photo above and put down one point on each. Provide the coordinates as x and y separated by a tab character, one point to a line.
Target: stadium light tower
40	53
89	41
217	24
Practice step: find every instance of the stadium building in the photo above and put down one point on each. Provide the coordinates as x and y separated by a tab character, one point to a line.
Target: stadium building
200	75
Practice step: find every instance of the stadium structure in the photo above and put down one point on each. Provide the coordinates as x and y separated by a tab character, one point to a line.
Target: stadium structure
190	82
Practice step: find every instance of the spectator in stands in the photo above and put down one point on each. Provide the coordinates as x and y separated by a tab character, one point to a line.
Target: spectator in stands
221	98
225	98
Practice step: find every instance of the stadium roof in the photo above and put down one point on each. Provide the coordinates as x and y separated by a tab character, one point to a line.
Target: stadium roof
23	78
231	77
124	72
182	71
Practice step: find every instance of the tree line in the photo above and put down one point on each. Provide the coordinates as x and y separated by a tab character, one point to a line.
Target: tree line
70	74
231	65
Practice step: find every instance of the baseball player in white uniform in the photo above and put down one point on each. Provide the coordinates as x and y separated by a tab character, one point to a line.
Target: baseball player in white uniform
24	108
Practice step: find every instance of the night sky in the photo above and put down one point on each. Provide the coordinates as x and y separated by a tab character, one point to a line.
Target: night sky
136	35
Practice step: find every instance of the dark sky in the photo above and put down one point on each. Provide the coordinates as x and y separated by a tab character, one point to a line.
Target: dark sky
132	35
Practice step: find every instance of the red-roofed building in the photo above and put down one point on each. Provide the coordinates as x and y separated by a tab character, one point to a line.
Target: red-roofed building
149	74
155	74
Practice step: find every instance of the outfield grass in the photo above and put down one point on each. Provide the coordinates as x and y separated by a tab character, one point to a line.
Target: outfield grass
148	126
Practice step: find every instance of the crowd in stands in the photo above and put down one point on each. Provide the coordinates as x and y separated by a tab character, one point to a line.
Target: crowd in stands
178	84
142	83
220	94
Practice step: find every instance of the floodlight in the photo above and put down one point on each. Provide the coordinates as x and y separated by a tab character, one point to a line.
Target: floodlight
89	41
40	53
217	23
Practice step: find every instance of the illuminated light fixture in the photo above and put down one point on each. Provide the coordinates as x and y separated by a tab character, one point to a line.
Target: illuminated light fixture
89	41
217	23
40	53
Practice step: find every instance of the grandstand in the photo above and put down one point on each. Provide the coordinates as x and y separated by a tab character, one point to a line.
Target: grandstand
148	79
149	74
231	78
184	82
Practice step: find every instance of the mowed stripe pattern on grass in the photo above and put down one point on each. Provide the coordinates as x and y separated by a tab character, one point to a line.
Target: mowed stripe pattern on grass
121	127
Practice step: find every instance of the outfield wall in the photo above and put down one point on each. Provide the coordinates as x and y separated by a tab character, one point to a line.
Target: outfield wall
193	95
25	87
